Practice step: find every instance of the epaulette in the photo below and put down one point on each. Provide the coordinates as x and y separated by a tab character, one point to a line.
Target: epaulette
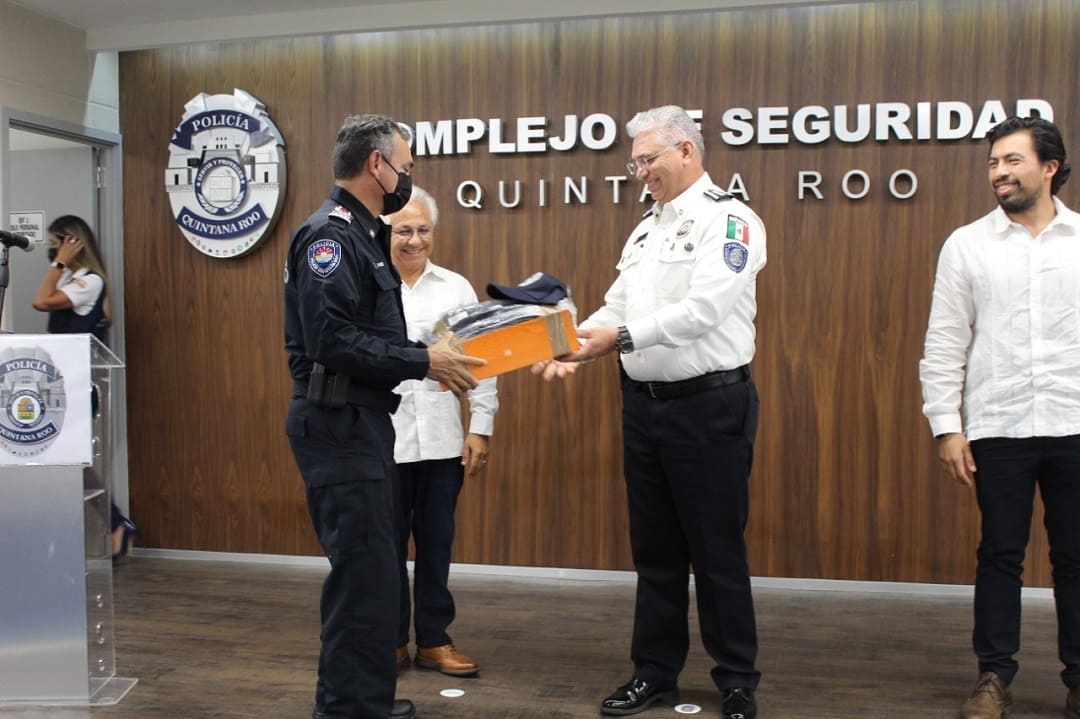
646	214
717	195
342	213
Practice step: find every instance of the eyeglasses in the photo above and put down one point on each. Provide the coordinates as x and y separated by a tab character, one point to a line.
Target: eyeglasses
405	232
643	163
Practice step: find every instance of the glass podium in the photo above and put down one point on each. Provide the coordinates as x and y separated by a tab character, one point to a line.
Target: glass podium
57	639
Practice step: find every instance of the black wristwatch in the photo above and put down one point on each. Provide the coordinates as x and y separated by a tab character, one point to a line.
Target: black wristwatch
58	264
624	343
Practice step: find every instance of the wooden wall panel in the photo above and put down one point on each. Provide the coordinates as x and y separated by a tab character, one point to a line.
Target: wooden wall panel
845	483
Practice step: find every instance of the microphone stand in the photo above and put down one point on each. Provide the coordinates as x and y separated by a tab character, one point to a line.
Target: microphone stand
4	272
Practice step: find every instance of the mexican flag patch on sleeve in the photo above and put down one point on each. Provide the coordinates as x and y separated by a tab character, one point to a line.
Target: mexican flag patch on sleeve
737	229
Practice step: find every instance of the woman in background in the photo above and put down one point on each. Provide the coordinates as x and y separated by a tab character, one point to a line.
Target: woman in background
75	293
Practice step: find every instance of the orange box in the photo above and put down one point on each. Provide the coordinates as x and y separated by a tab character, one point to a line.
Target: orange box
520	345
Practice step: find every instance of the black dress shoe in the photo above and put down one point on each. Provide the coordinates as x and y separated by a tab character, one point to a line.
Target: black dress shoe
402	709
739	703
636	696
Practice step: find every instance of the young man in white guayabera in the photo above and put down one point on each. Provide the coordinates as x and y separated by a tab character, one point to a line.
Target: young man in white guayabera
1001	383
432	450
681	315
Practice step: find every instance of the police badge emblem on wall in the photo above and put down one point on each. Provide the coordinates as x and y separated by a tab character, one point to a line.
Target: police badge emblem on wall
226	174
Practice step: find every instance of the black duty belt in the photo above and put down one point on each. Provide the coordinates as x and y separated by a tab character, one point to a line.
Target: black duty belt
686	387
380	400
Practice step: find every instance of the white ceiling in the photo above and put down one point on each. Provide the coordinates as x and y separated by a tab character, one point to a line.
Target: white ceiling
133	24
98	14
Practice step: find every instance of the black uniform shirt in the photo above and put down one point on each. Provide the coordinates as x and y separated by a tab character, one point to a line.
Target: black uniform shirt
343	299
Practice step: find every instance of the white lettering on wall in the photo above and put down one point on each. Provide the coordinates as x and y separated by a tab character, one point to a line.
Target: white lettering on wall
954	120
809	180
469	194
736	188
911	179
615	181
810	125
845	184
947	120
469	131
740	131
579	191
517	194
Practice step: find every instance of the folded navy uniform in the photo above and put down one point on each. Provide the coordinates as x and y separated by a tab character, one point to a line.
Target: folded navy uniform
480	317
510	305
539	289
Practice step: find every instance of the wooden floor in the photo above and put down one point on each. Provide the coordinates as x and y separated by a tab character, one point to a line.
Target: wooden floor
209	640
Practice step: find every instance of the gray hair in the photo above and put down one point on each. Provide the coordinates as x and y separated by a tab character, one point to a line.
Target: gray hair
419	194
361	135
671	122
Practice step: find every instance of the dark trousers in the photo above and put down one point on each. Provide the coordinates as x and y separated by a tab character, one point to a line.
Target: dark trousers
427	494
687	463
347	462
1008	471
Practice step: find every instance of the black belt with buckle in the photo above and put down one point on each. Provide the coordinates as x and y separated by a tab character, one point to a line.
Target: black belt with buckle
380	400
686	387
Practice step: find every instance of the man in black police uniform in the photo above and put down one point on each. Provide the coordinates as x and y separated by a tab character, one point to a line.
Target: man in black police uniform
348	349
681	315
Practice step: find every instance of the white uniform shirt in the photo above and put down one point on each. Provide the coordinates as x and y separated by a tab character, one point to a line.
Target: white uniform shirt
428	422
1004	330
82	289
686	289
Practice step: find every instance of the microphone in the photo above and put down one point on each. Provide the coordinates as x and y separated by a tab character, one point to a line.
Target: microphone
10	239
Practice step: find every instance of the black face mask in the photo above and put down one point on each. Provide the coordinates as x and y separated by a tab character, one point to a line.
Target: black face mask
394	201
52	253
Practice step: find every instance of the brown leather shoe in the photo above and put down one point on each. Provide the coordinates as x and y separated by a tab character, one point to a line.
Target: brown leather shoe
447	660
403	658
990	699
1072	703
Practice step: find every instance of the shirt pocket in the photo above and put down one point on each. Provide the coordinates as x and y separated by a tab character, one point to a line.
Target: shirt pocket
387	308
384	278
440	416
675	266
631	256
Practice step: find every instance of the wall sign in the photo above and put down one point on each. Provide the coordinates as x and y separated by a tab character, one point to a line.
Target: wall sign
921	122
29	223
226	173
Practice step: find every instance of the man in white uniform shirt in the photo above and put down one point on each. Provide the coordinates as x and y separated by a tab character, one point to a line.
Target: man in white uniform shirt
1001	385
681	314
431	449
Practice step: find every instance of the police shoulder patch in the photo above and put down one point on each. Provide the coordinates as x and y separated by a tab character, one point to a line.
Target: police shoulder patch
323	257
716	194
735	256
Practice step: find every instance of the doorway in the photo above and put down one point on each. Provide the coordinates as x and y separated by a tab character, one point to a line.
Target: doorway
50	177
50	168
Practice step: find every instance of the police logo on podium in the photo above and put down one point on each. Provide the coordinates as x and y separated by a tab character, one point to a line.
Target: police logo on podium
32	401
226	173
